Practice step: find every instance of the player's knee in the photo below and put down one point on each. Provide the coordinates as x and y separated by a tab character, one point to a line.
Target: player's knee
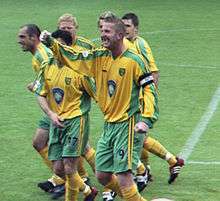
70	165
58	169
40	139
103	178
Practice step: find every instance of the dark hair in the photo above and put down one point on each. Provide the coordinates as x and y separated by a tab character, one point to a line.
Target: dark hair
32	30
132	17
64	35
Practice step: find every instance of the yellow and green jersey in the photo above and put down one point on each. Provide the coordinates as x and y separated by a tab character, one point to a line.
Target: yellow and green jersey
82	43
118	80
67	92
144	49
42	57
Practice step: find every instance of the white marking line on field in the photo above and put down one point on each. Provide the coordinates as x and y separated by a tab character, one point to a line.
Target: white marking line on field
204	162
169	31
189	66
180	30
201	126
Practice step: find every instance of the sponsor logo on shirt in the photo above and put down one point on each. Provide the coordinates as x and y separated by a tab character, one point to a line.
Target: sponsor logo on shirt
111	87
58	95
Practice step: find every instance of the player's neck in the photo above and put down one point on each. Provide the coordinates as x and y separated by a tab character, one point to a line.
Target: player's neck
118	50
134	38
34	48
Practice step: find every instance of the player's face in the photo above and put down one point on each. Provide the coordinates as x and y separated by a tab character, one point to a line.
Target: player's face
109	37
100	24
68	26
131	30
25	40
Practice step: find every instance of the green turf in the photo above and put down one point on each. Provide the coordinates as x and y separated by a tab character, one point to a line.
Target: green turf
184	36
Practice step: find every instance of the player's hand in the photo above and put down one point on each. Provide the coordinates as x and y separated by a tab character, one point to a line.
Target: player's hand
156	76
44	35
30	86
56	120
141	127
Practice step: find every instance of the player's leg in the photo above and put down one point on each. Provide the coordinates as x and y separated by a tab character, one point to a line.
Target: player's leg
159	150
40	143
104	164
89	155
75	141
129	145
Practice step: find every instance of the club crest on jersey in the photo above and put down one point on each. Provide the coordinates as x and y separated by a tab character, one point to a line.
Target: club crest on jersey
111	87
58	95
67	80
121	71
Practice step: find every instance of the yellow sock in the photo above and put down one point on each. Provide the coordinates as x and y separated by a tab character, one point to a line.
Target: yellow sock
56	180
141	168
105	189
172	160
131	194
81	185
114	185
44	154
158	149
90	158
81	170
145	157
155	147
71	187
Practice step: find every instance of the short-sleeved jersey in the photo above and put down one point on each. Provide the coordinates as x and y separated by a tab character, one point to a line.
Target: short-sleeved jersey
144	49
42	57
67	92
117	80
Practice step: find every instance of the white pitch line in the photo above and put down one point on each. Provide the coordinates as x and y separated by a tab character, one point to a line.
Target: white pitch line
169	31
204	162
189	66
201	126
181	30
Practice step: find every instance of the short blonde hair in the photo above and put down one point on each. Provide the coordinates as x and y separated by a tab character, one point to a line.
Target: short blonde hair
106	14
68	18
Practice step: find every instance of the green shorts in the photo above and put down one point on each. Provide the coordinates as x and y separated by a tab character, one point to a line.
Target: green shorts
44	123
71	140
118	150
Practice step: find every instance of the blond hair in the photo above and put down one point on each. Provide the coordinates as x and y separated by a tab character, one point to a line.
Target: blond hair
68	18
106	14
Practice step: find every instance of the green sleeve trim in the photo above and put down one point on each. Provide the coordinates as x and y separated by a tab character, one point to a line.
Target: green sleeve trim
82	43
142	48
147	121
134	56
85	55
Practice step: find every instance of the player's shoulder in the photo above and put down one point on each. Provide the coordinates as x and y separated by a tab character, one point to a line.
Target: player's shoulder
84	42
132	53
141	41
43	53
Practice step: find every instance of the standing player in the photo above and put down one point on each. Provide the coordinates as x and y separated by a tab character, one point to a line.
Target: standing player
119	74
142	178
28	38
63	96
150	144
68	23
